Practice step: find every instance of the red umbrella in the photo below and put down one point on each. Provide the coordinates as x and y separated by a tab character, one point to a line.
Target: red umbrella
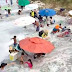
36	45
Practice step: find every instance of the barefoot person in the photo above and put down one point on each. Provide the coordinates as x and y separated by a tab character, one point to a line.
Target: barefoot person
3	65
15	41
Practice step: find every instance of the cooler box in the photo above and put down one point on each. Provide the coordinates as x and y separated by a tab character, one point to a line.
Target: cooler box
14	56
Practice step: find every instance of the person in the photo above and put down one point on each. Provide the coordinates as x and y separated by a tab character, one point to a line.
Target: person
62	9
63	29
9	11
35	13
32	13
15	41
22	58
22	7
60	25
56	28
52	21
37	55
40	18
11	2
41	32
66	33
37	24
19	12
6	12
3	65
0	12
45	34
29	62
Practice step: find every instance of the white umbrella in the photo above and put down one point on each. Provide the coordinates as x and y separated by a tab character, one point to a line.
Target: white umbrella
24	21
70	12
31	6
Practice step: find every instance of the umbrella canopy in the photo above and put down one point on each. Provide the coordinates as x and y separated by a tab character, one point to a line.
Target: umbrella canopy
31	6
5	7
24	21
36	45
70	12
23	2
47	12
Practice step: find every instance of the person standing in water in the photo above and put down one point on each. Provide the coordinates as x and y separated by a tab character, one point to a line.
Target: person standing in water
37	24
15	41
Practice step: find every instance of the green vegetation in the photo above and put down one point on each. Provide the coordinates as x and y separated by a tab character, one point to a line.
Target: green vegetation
58	3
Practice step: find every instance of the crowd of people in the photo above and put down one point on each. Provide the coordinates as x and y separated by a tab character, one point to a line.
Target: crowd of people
65	32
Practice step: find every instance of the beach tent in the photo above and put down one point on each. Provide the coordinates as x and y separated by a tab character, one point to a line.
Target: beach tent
23	2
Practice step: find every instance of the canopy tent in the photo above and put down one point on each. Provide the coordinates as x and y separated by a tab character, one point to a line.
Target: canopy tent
23	2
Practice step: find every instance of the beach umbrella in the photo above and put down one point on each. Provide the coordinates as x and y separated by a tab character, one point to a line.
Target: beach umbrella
70	12
31	6
24	21
5	7
36	45
23	2
47	12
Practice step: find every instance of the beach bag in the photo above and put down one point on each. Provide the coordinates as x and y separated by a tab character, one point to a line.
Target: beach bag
40	33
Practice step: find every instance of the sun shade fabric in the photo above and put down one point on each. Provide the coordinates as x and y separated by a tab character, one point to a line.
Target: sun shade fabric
23	2
36	45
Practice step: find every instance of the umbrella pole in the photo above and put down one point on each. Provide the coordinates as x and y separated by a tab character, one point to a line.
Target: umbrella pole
25	53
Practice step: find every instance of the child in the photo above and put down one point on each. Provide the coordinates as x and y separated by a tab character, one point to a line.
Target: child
3	66
22	58
52	21
19	12
63	29
37	24
29	62
15	41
